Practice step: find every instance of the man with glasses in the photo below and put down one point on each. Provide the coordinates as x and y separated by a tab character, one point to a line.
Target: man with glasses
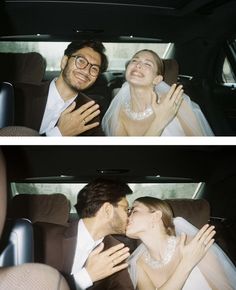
68	111
59	108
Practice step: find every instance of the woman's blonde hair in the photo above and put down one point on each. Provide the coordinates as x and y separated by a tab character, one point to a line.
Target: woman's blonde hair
159	62
153	204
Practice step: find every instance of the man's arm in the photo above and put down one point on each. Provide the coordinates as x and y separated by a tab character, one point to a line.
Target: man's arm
192	253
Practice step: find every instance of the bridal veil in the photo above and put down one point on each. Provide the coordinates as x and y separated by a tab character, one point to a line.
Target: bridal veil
189	113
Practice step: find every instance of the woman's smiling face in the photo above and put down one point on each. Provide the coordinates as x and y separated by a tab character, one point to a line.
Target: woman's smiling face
142	69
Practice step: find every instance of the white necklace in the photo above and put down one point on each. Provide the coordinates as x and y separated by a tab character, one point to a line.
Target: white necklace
137	115
169	251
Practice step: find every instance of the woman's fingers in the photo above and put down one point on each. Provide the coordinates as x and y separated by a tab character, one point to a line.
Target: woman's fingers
175	97
171	92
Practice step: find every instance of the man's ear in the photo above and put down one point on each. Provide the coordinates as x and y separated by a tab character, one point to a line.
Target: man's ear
107	210
64	61
157	79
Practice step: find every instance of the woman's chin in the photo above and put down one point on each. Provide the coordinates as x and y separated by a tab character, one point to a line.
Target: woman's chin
129	234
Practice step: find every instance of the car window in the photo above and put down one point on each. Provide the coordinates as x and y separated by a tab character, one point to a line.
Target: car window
118	53
160	190
228	75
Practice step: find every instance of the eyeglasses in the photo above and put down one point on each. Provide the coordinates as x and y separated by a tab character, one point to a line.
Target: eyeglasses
81	62
127	209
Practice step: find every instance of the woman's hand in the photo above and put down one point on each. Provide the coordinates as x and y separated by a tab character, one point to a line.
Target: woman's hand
165	110
195	250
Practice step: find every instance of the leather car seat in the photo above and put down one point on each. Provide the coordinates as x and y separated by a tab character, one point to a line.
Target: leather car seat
26	276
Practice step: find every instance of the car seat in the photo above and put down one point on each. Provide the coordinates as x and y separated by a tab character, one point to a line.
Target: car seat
30	275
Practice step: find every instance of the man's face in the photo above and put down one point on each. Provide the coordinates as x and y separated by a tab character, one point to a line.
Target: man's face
120	217
80	78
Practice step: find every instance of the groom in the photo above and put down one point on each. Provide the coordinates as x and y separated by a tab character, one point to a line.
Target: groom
95	259
59	107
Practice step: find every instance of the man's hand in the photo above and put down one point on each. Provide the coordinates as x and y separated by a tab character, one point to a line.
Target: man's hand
195	250
100	264
73	122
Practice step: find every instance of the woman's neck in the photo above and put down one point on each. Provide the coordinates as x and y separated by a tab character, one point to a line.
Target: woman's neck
141	98
156	244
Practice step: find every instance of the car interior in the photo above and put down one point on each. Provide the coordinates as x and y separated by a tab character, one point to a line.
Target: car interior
199	41
36	218
17	251
40	178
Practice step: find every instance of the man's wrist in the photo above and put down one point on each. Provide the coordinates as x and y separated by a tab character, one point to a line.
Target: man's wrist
82	279
54	132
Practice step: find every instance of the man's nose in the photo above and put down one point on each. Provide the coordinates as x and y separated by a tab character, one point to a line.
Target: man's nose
87	68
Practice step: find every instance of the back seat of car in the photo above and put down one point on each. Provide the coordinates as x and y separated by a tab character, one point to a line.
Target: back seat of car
27	70
201	91
50	217
22	67
51	208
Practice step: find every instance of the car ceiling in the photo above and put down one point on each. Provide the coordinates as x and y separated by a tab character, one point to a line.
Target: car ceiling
178	20
131	163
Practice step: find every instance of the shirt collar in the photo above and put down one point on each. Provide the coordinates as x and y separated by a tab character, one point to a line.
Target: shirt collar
55	97
85	238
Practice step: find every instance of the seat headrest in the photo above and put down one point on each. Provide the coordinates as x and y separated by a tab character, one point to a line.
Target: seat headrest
50	208
22	67
196	211
171	71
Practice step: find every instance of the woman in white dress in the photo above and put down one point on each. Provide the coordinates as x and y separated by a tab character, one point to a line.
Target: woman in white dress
147	106
156	259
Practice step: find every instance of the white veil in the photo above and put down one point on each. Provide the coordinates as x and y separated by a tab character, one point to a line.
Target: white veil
197	124
196	278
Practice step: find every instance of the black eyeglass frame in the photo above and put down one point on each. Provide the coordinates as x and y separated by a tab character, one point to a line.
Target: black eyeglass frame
87	63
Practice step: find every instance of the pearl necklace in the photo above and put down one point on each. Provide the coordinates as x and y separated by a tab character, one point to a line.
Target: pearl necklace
137	115
170	248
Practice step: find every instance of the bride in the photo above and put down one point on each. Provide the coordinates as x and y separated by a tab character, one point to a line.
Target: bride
147	106
157	257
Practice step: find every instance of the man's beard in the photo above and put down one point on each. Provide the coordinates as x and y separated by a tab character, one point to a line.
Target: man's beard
66	78
118	225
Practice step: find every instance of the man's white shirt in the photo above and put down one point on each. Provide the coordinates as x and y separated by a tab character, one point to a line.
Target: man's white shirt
84	246
54	107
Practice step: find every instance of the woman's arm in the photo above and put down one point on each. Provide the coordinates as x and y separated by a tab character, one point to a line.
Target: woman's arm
188	120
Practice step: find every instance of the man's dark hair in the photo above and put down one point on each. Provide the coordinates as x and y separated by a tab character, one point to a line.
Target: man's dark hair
94	44
91	197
